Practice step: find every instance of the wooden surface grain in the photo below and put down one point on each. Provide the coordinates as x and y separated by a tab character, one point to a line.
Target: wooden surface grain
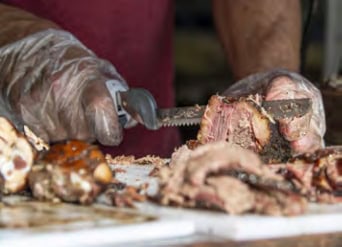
322	240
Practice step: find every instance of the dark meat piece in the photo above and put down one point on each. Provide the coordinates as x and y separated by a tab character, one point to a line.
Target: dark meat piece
16	158
73	172
225	176
244	122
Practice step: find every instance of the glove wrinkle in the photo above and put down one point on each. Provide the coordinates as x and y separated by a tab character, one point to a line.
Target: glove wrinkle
45	78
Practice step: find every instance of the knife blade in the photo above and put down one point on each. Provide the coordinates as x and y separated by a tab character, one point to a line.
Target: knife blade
277	109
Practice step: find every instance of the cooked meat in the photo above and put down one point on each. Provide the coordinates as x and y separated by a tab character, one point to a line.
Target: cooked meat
316	174
244	122
16	158
73	172
121	195
275	202
227	193
130	159
225	176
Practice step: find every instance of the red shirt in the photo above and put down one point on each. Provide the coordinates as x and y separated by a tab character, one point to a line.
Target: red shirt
136	36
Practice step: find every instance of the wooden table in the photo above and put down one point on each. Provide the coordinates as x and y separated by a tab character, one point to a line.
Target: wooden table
323	240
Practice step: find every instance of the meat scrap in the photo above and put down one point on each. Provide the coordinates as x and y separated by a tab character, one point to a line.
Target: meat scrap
121	195
224	176
74	171
121	159
130	159
16	158
156	161
243	122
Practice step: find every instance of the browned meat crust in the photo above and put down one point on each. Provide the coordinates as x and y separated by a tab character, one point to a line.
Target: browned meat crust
74	171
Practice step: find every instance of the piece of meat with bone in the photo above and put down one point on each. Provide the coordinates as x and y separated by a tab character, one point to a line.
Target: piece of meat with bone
224	176
74	171
16	158
244	122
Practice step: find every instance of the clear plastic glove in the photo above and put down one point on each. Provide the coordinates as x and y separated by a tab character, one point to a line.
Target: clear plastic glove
304	133
57	87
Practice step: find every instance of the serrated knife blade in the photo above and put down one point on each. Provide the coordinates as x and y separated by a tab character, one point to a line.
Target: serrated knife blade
191	115
180	116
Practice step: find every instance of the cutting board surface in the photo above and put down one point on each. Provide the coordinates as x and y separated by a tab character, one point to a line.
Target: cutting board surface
23	213
24	222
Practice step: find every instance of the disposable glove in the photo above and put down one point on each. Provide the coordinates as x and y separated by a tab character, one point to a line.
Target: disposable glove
53	84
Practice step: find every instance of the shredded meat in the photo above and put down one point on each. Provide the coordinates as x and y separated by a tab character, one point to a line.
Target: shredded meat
130	159
318	175
122	159
225	176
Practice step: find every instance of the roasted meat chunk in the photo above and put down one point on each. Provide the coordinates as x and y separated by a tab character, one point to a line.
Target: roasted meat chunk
74	171
318	175
224	176
244	122
16	158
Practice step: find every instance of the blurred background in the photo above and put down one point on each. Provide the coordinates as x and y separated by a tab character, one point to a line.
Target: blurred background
201	69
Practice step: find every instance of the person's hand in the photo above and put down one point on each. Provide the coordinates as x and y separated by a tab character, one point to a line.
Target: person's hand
57	87
305	133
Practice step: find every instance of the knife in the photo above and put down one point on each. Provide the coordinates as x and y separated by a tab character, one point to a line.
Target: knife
138	104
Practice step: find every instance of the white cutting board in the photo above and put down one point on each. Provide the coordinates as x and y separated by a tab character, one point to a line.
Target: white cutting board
320	218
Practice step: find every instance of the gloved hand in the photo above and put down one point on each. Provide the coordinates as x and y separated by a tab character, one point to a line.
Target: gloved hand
57	87
305	133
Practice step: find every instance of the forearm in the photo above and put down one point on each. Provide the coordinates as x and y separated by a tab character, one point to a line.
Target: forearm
259	35
16	24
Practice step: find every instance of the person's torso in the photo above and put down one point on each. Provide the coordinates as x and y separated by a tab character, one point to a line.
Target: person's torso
136	37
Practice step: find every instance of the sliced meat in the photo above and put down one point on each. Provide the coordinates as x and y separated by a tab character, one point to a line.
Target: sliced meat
224	176
233	195
73	172
16	158
328	170
244	122
317	175
274	202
